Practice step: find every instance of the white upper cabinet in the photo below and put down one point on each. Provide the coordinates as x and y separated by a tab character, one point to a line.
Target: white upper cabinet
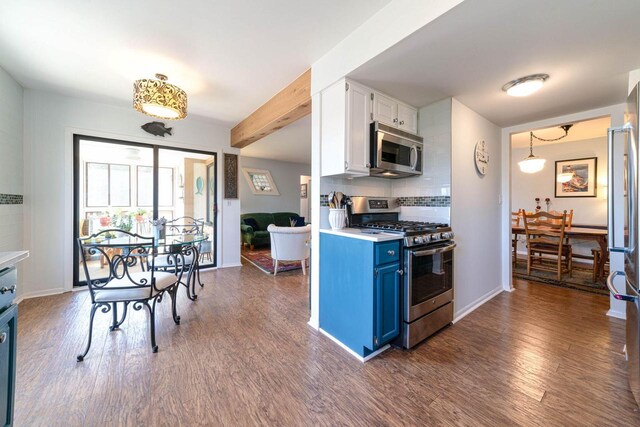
385	109
345	116
407	118
394	113
358	128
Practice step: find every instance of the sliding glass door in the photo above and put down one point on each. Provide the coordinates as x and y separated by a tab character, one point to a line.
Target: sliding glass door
124	185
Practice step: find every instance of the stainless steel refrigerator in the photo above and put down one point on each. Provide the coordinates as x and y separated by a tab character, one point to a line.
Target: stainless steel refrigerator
623	154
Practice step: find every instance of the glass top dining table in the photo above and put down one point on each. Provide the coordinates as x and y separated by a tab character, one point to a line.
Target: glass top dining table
180	239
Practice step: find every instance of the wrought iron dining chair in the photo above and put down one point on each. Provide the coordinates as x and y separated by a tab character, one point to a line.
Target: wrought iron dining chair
545	242
132	278
184	225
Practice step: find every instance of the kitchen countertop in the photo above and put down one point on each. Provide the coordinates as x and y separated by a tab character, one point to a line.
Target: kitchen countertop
7	259
356	233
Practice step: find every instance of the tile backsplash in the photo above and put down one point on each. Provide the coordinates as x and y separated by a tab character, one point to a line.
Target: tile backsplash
11	199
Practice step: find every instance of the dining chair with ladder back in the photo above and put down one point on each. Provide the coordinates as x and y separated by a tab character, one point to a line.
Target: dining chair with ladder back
516	217
546	247
132	278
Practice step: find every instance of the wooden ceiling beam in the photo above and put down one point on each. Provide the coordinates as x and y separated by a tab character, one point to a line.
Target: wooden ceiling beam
290	104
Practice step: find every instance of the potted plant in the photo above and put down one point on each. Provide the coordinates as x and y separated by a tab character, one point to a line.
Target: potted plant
105	220
139	214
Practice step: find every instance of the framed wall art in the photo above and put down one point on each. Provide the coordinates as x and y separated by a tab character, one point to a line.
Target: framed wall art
583	181
230	176
303	191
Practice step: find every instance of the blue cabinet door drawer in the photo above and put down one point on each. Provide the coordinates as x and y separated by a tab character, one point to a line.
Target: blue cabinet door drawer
8	336
8	281
387	252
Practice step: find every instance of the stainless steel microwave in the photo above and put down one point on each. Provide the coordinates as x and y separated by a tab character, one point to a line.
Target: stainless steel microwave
394	153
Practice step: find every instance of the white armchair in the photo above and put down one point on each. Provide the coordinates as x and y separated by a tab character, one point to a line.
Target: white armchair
289	244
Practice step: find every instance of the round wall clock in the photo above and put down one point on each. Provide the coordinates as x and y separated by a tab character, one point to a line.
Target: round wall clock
481	157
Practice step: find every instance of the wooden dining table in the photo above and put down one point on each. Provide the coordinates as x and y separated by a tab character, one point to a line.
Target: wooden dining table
598	235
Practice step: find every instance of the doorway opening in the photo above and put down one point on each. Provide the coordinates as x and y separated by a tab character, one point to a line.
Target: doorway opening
573	182
126	185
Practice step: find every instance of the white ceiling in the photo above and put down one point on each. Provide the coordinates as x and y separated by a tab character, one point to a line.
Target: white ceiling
230	56
587	47
580	131
289	144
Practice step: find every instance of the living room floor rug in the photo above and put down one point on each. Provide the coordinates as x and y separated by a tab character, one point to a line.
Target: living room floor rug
582	278
261	258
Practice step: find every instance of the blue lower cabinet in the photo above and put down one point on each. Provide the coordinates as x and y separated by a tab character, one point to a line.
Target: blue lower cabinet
359	291
387	307
8	336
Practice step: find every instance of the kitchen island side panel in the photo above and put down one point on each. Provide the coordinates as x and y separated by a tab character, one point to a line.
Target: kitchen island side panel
346	290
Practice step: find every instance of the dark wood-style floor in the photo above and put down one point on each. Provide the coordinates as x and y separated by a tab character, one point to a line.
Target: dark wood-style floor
244	355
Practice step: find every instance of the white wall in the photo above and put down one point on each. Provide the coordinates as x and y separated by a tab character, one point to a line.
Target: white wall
475	210
50	121
526	187
305	204
11	176
286	176
434	125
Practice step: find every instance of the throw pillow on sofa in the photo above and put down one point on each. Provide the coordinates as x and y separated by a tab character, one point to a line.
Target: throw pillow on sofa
297	222
251	222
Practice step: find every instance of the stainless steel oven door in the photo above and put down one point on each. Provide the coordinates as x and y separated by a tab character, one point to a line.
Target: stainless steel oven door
394	153
428	280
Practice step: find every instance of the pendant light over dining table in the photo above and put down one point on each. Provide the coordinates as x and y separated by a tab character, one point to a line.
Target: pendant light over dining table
532	163
160	99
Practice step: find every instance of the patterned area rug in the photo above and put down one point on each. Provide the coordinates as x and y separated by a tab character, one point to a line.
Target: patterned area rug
261	258
582	278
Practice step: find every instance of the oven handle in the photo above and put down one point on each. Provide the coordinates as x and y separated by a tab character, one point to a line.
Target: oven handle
428	252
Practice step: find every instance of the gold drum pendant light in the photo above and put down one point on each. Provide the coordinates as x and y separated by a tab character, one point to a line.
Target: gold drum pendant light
160	99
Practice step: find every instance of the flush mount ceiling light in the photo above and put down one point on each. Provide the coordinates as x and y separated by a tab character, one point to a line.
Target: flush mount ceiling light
525	86
157	98
533	164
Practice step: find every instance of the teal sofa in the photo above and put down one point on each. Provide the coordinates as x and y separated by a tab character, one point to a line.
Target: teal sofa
255	233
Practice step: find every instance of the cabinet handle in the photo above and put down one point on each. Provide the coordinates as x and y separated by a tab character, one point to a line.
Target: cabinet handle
395	120
3	337
346	165
400	272
11	289
401	122
368	165
375	341
391	252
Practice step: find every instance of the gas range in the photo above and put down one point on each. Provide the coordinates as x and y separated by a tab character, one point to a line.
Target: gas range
415	232
380	214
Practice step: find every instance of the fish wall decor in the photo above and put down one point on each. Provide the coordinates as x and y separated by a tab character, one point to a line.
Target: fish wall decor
156	128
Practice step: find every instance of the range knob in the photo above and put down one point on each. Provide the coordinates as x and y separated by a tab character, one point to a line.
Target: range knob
447	235
435	236
416	240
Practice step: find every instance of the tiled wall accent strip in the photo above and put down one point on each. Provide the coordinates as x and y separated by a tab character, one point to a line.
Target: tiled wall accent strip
428	201
10	199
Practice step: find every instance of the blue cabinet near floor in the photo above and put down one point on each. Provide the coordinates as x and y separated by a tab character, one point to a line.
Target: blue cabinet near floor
360	291
8	336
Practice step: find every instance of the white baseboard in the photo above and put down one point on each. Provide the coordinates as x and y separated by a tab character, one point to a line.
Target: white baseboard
37	294
351	352
314	324
477	303
617	314
231	265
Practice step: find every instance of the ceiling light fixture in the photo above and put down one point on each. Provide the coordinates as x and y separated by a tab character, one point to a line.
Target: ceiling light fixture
525	86
157	98
533	164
